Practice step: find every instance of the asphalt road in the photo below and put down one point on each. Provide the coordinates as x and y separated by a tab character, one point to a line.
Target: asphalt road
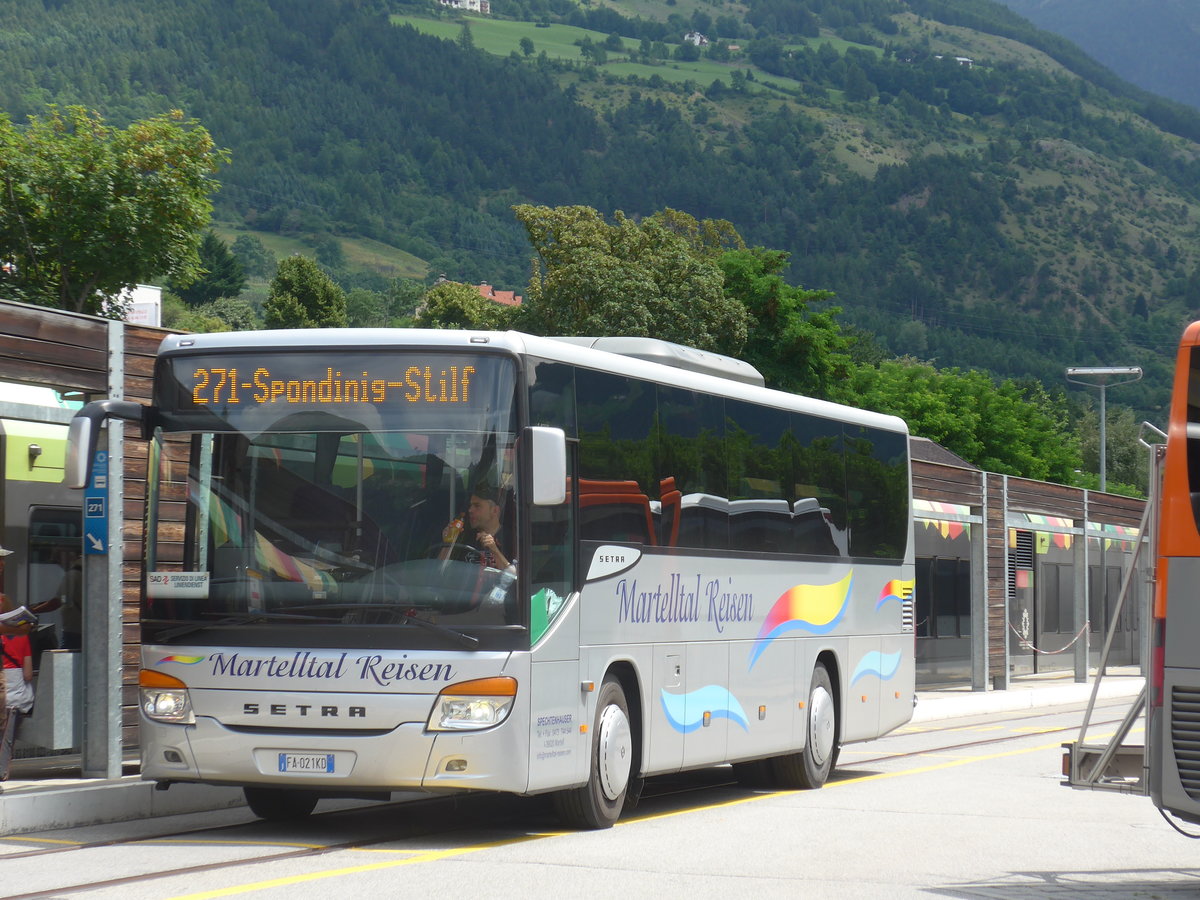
967	808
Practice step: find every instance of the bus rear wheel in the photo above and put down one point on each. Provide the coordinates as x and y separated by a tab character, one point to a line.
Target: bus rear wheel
810	768
279	804
598	803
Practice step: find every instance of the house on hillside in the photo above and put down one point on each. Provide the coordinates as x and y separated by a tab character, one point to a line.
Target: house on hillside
695	37
964	61
483	7
504	298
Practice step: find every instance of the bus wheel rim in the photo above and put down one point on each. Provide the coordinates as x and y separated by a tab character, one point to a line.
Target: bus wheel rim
822	718
615	751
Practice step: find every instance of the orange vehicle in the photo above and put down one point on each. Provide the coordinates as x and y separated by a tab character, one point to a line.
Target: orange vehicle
1167	766
1173	699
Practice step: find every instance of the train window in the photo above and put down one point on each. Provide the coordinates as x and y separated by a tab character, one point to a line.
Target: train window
55	547
1193	433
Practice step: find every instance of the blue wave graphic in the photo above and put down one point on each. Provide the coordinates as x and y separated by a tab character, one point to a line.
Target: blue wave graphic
882	665
686	712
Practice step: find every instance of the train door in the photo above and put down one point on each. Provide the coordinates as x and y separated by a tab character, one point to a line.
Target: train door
1022	603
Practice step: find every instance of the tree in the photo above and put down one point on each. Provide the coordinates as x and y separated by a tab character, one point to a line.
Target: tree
659	277
89	210
1006	428
257	261
221	274
302	296
225	314
329	252
1126	464
795	347
366	309
466	40
449	304
526	44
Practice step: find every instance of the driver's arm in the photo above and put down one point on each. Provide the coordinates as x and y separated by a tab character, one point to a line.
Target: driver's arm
488	542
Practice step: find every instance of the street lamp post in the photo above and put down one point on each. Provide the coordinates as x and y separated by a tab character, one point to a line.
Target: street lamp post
1101	377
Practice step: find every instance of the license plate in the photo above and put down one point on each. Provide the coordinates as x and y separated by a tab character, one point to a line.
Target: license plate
306	762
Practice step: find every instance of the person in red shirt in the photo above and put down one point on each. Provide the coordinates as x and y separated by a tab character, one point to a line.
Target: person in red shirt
16	687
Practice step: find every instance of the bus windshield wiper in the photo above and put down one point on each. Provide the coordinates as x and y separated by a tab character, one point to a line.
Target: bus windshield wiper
200	626
459	637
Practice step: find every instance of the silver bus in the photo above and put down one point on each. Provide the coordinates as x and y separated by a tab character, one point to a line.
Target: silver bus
440	561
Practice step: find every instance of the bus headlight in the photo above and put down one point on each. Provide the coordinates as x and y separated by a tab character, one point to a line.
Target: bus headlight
165	698
471	705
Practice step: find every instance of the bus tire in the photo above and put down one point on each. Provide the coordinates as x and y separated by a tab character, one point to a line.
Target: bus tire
598	803
810	768
279	804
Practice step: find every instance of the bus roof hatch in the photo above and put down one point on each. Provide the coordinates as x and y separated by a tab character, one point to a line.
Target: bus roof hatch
676	355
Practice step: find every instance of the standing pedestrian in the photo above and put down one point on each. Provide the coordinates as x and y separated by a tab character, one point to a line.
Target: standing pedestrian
10	705
17	656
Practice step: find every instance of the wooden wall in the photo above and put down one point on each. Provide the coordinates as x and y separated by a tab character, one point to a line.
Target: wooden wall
993	497
70	352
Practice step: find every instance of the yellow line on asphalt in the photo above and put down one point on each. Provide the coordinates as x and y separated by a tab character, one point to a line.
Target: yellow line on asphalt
429	856
436	855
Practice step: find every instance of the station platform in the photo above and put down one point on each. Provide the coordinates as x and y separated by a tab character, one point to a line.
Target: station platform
41	795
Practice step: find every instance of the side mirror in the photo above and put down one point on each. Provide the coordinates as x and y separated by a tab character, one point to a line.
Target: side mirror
85	429
548	462
81	444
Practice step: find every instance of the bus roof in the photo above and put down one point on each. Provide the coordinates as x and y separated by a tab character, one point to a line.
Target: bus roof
646	360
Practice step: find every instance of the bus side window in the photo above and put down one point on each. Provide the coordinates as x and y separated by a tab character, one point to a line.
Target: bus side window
552	572
616	420
691	470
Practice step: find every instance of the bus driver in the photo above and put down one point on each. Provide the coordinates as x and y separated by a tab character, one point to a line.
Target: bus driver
483	519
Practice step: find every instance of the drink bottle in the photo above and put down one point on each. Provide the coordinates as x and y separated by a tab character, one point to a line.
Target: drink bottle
452	531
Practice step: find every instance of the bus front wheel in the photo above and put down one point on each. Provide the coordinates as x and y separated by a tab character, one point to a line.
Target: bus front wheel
598	803
278	804
810	767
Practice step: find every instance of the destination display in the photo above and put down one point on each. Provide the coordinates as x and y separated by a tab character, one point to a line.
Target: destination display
249	390
418	384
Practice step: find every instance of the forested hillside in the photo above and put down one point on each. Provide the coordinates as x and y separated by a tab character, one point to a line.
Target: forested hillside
1019	212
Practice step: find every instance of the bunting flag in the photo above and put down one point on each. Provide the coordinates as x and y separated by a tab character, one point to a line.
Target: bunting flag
947	528
225	523
227	529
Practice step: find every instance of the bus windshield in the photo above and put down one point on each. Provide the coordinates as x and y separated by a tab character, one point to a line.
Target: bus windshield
323	522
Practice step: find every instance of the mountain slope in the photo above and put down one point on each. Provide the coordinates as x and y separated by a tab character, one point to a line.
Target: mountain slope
1021	213
1152	43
